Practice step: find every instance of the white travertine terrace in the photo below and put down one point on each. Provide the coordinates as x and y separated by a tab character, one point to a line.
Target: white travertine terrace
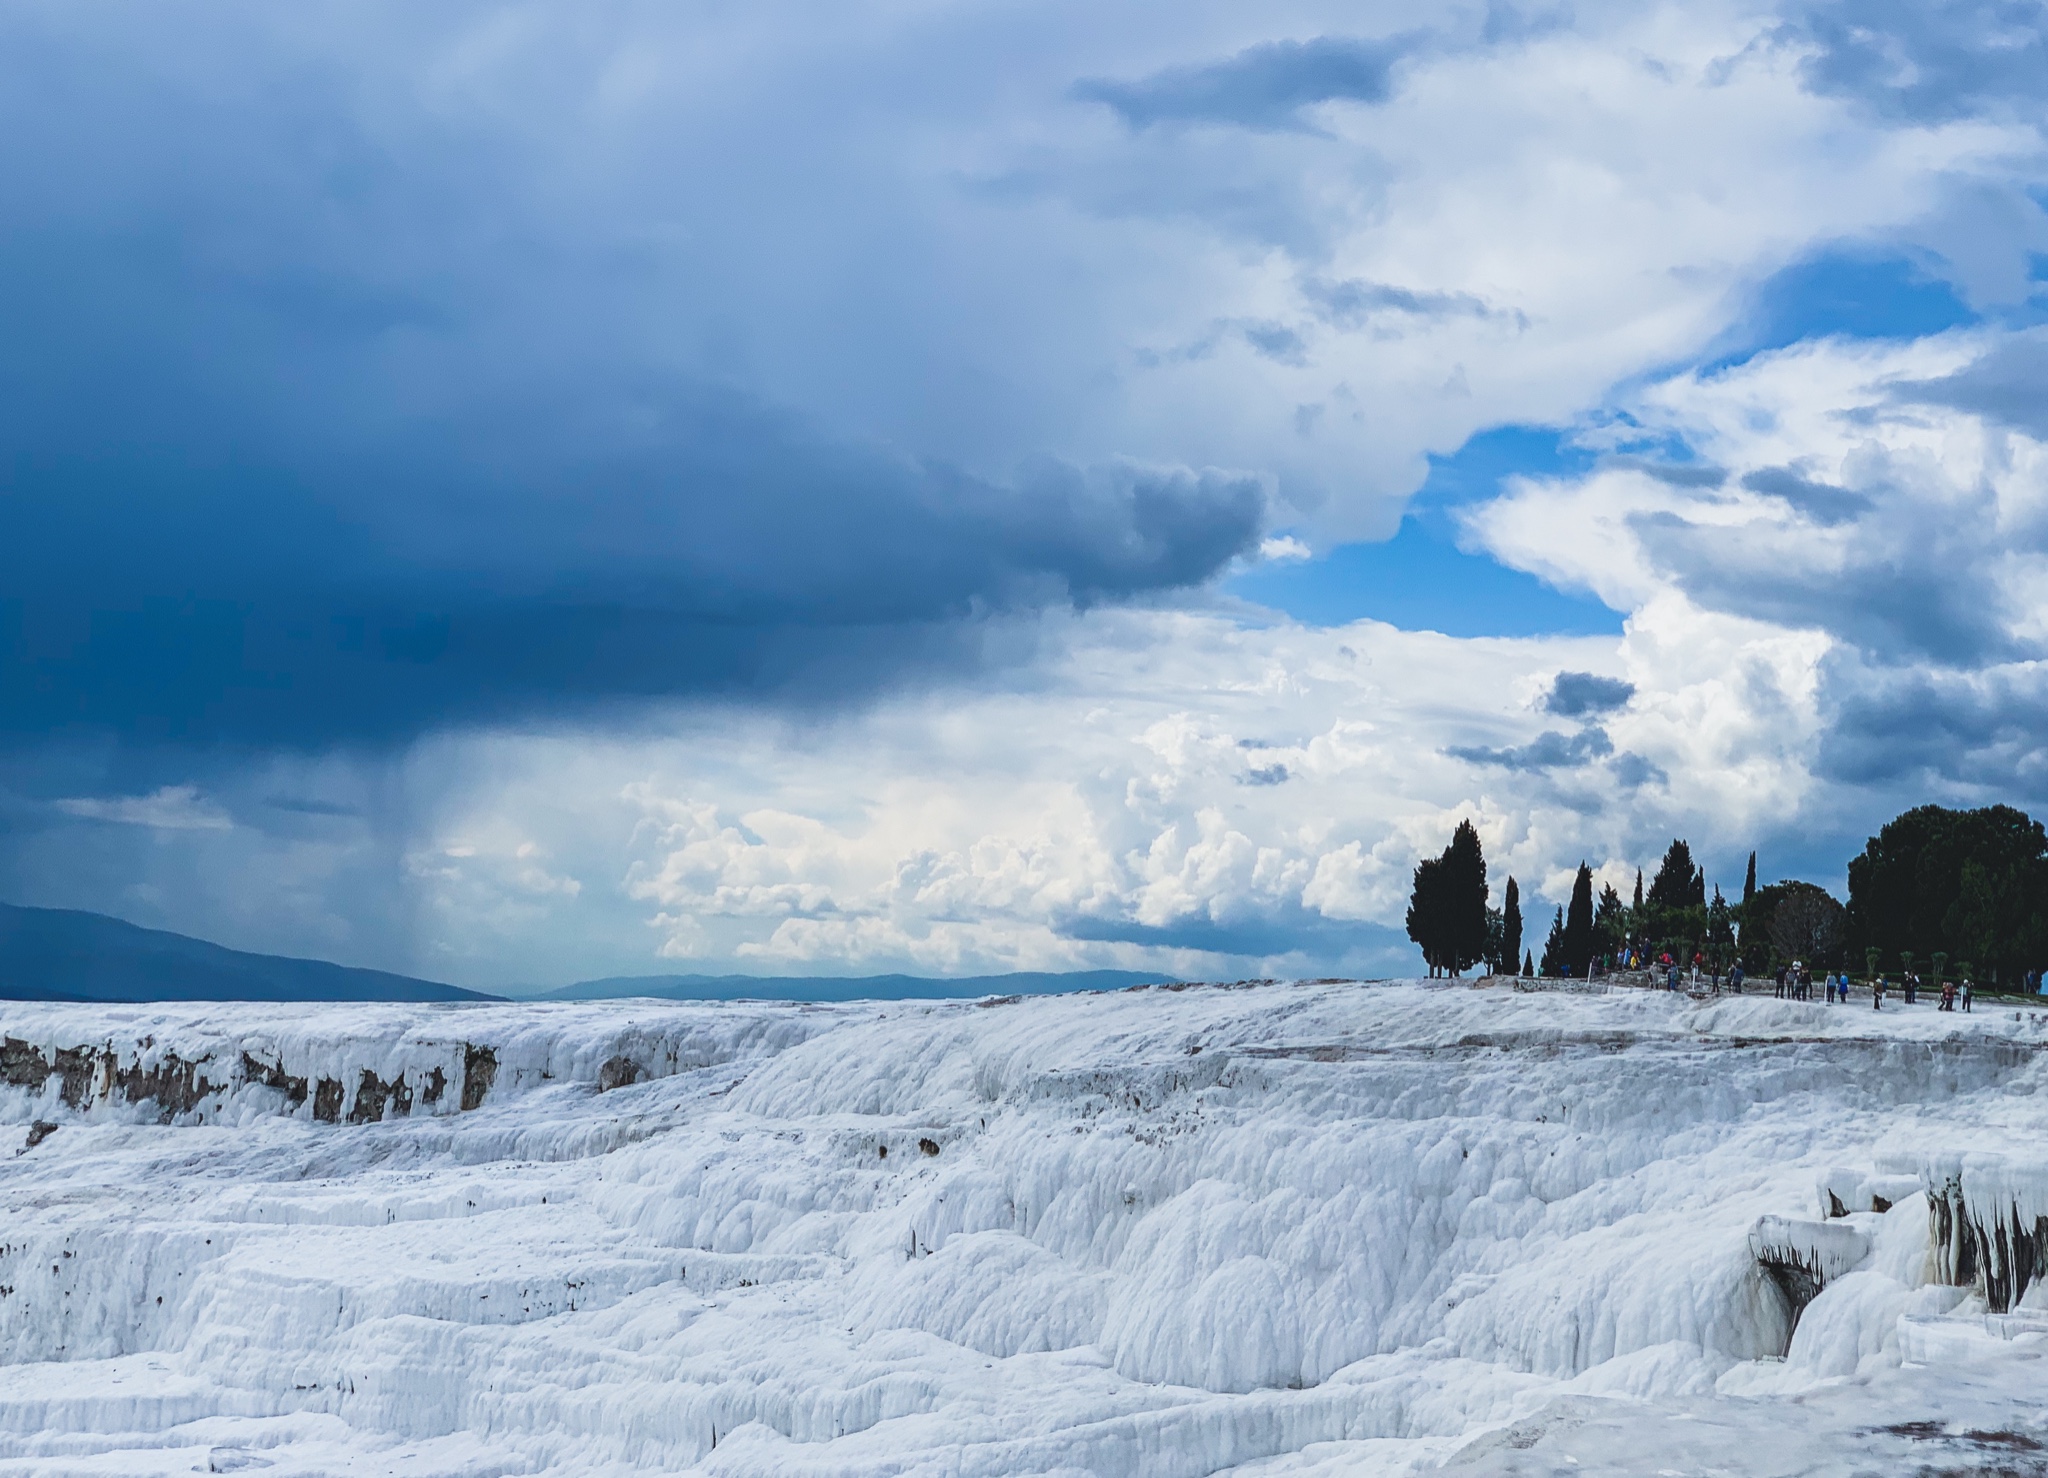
1294	1228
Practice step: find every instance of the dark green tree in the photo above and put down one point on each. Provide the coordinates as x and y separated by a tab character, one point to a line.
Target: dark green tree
1426	912
1638	905
1761	936
1720	949
1743	936
1528	964
1553	947
1511	926
1806	924
1968	883
1610	922
1577	943
1972	921
1447	907
1677	879
1464	899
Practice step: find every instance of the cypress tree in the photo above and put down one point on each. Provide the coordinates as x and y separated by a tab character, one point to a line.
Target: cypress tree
1608	925
1511	926
1528	964
1577	951
1553	947
1676	878
1464	901
1639	890
1425	912
1720	932
1447	907
1748	898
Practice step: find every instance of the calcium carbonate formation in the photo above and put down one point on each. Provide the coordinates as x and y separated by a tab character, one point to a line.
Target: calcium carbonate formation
1299	1229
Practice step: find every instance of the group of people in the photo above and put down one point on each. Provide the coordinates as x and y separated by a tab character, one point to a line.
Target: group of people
1953	992
1795	983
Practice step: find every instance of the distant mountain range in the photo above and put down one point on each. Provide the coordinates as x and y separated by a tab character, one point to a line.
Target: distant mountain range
62	954
845	988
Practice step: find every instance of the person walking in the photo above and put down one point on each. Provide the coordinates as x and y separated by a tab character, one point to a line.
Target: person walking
1877	993
1966	993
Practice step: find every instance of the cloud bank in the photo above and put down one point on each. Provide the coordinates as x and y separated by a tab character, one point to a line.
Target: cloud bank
490	488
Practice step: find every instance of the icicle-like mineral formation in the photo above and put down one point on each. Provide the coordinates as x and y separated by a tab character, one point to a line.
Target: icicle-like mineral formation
1988	1224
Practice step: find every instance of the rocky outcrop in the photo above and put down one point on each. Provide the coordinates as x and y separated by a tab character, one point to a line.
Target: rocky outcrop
85	1078
1802	1257
351	1065
1988	1224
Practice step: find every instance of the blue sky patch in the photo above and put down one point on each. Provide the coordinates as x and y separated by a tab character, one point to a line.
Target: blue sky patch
1849	295
1420	580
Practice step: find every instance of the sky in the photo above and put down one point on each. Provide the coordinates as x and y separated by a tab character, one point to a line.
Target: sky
515	494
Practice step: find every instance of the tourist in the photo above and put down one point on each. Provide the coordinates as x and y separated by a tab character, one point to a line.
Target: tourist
1877	993
1966	993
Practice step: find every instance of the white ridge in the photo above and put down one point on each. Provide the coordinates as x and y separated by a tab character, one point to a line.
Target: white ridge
1274	1229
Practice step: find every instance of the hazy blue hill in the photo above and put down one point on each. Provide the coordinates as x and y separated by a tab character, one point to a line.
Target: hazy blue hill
61	954
845	988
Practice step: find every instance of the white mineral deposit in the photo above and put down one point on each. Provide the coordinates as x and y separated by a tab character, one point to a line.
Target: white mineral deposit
1275	1229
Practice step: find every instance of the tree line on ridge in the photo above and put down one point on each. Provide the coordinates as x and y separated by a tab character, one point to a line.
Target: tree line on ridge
1960	892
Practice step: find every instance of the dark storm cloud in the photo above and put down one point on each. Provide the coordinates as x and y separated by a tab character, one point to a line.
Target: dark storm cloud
1277	342
1822	502
1903	591
1351	302
1633	771
1673	474
1263	87
1286	929
319	429
1928	62
1547	751
1576	694
2008	385
727	551
1976	732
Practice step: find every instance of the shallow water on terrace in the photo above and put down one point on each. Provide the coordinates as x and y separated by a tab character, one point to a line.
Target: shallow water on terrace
1145	1232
